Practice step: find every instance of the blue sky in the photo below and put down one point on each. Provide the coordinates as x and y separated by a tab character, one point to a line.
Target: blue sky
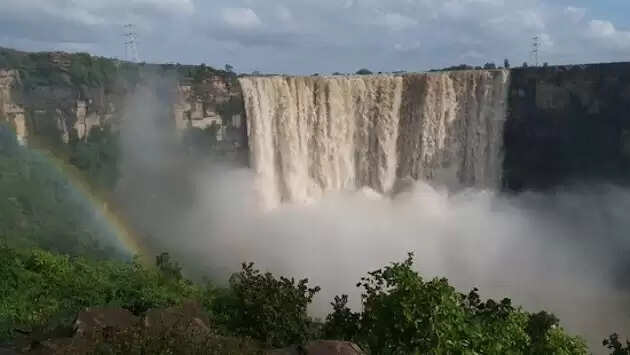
308	36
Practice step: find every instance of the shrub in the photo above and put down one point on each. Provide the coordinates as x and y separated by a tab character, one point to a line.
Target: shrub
364	72
40	290
613	343
403	314
273	311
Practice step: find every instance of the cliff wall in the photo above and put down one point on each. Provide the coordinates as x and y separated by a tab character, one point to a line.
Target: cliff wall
568	124
63	96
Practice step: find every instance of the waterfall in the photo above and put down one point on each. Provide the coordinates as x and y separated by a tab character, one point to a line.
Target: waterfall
312	135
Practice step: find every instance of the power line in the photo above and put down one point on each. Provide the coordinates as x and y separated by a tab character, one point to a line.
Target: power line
131	48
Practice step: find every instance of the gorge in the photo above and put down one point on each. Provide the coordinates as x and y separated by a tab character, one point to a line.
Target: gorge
474	170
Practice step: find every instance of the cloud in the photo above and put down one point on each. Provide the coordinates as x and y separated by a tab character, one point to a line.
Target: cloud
241	18
284	14
575	13
407	47
322	35
396	22
606	31
474	55
600	28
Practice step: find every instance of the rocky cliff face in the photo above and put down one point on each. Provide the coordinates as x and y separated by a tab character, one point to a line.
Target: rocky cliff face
563	124
10	110
65	96
568	124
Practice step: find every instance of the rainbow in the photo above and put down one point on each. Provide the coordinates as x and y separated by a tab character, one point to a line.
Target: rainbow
128	239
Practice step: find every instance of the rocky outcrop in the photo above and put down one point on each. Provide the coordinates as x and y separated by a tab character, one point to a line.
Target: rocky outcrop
321	347
191	313
568	124
183	329
65	96
92	320
10	110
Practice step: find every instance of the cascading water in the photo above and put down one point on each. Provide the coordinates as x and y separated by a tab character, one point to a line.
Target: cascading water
312	135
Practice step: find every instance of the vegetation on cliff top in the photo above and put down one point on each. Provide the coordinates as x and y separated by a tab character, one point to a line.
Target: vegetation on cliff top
82	69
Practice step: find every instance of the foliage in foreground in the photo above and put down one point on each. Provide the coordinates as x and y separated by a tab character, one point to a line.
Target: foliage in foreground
182	337
614	344
273	311
403	314
40	290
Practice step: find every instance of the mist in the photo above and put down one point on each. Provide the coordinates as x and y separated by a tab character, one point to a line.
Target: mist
564	251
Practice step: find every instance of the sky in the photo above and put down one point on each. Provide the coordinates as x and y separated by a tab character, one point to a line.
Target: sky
324	36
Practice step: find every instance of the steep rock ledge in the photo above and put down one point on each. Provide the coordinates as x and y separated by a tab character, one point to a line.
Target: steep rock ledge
568	124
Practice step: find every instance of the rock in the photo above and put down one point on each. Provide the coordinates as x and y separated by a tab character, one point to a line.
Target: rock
94	319
321	347
188	314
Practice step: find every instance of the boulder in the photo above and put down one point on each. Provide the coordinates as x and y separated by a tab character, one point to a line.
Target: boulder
321	347
95	319
187	314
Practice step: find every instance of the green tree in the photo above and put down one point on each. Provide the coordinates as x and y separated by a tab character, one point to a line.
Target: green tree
168	267
342	323
40	289
403	314
267	309
614	344
364	71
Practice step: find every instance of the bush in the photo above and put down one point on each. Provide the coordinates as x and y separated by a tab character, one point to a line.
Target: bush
613	343
98	157
403	314
40	290
273	311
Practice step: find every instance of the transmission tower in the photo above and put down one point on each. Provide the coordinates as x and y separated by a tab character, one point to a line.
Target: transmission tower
535	48
131	48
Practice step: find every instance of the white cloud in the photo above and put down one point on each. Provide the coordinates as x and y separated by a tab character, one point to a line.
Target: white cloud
396	22
576	14
407	47
471	55
545	41
241	18
284	14
290	36
600	28
607	32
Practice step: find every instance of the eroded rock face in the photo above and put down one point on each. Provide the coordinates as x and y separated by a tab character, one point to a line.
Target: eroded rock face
182	329
95	319
321	347
10	110
568	124
55	101
189	314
